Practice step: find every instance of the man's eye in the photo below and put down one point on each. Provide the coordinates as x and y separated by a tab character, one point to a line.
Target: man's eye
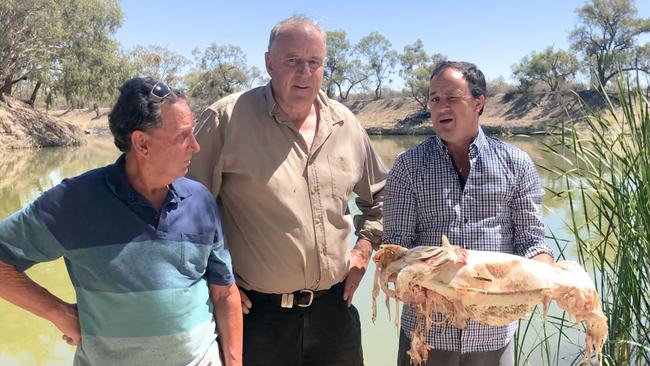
314	64
453	98
292	61
435	99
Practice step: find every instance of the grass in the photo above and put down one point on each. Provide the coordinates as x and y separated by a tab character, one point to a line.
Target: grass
606	183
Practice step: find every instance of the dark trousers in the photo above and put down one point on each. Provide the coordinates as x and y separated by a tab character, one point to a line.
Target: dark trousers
501	357
327	333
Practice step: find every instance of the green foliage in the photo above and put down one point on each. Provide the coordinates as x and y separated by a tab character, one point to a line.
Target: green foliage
158	62
606	185
416	70
220	70
379	58
66	45
343	69
549	67
606	38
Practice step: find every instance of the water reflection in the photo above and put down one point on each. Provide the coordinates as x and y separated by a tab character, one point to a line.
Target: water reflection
28	340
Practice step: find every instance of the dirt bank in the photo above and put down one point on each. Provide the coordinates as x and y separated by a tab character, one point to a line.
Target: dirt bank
23	127
506	113
510	113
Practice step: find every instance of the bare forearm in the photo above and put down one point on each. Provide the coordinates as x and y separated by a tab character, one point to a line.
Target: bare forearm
21	291
228	315
364	248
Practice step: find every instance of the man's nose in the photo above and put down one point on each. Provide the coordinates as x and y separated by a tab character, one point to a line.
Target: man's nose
194	145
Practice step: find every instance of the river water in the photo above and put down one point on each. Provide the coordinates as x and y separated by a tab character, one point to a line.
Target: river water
28	340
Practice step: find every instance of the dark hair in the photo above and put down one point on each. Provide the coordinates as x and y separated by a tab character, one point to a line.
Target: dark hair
134	111
473	76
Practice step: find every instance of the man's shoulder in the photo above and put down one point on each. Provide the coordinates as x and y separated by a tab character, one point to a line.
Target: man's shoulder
419	153
88	182
227	103
340	108
507	151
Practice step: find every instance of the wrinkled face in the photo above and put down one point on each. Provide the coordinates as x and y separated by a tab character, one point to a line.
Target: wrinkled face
172	144
295	64
454	111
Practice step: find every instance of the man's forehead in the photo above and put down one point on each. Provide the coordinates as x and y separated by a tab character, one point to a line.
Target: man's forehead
450	81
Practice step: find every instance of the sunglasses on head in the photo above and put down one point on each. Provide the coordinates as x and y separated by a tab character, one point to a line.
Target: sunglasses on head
159	92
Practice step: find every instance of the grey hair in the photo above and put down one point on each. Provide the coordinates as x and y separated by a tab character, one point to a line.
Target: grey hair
299	19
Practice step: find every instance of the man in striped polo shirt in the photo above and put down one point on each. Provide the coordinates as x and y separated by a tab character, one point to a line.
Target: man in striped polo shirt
142	244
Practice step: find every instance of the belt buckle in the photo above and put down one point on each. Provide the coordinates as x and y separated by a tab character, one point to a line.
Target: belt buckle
311	298
287	301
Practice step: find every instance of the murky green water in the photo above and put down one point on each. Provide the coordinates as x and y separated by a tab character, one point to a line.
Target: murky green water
28	340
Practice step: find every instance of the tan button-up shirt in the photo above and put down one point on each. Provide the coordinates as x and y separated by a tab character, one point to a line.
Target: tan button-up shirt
285	206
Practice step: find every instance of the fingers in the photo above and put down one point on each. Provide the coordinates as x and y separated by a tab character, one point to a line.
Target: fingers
69	340
246	303
349	290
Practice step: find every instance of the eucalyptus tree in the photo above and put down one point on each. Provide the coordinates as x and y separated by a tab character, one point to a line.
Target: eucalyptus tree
158	62
606	37
219	71
379	57
65	44
343	69
416	70
549	67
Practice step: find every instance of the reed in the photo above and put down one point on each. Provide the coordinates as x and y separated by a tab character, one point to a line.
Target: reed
606	182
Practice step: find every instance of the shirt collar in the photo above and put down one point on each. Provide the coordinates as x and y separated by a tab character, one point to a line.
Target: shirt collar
118	182
480	141
326	109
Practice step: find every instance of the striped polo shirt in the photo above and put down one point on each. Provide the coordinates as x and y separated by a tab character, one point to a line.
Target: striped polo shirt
140	275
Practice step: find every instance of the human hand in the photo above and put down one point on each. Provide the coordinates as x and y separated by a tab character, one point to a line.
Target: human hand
359	257
67	321
246	303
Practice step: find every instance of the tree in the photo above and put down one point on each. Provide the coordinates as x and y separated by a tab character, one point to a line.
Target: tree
550	67
343	70
220	70
416	70
66	45
158	62
379	57
606	38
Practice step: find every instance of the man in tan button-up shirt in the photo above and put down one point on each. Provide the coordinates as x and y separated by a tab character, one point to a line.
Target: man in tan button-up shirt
284	159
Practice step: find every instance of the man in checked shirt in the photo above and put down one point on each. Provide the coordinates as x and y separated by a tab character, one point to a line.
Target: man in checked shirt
482	193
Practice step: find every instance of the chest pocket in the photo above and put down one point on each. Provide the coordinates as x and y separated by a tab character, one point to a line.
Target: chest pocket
195	251
344	175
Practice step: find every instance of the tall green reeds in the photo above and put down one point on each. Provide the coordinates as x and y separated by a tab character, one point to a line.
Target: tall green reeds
607	187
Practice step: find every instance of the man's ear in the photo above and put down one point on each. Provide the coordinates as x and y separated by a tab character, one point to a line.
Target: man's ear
480	102
269	65
140	143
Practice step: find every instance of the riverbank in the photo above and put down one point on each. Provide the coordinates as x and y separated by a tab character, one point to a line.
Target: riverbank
504	114
23	127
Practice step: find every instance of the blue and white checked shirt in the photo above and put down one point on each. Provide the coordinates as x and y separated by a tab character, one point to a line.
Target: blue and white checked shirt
498	210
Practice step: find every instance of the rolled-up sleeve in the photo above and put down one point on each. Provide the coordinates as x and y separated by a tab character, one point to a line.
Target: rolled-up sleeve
400	209
370	200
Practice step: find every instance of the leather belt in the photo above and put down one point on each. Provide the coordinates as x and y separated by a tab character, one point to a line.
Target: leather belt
301	298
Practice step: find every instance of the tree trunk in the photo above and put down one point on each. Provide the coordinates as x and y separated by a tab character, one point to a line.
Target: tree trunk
32	99
6	86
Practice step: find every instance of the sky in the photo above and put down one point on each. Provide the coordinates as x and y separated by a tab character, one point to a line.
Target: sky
494	35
